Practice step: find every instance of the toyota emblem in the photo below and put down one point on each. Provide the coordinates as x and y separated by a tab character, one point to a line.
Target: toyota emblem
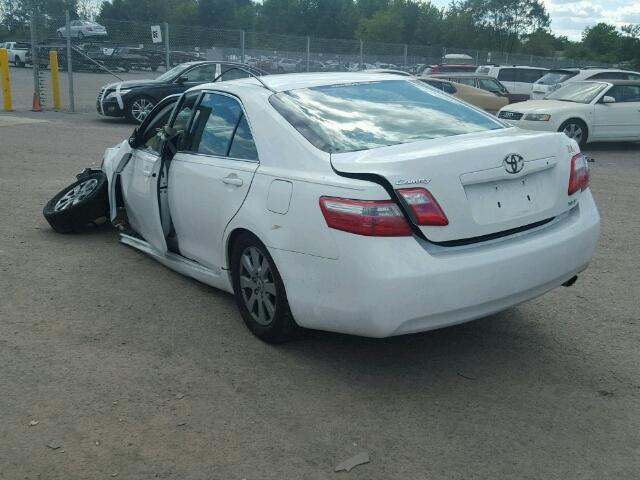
513	163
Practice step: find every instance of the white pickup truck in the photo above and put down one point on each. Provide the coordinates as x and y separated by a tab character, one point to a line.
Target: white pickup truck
19	53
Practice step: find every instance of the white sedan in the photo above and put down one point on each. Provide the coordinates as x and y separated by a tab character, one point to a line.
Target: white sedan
366	204
81	29
604	111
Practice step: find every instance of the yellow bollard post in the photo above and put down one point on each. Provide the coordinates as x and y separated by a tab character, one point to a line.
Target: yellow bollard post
5	80
55	81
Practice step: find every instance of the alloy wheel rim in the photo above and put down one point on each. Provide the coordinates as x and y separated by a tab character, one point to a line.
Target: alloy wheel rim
141	108
257	285
76	195
573	131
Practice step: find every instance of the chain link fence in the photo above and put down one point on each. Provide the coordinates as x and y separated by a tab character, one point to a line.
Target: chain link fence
101	53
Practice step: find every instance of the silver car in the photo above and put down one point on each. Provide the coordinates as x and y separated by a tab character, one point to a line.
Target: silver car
83	28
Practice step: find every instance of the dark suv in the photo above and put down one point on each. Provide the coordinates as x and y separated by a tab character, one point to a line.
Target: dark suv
134	99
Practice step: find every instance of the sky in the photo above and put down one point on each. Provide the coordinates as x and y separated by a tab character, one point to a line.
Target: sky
570	17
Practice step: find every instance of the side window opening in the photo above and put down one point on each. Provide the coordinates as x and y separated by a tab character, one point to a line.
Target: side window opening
242	144
220	129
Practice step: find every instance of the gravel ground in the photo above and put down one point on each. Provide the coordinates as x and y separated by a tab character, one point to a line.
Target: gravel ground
133	371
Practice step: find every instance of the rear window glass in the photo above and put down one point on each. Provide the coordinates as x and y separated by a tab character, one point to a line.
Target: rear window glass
361	116
555	76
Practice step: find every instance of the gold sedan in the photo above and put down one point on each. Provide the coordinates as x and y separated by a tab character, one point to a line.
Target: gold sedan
480	98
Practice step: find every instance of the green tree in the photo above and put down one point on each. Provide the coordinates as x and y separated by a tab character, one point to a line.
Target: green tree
181	12
383	26
603	40
509	20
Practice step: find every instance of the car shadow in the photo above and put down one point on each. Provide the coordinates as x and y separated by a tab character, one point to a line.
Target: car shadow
617	146
501	345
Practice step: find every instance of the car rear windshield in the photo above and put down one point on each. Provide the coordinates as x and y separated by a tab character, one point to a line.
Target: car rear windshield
556	76
365	115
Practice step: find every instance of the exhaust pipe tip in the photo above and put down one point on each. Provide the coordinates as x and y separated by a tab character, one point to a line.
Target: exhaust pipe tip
571	281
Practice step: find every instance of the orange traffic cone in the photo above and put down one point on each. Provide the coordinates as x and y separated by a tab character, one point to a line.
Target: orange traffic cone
37	106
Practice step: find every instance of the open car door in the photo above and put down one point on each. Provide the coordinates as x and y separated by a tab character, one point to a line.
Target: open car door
143	179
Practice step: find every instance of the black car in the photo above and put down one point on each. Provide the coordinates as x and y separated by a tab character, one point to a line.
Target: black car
134	99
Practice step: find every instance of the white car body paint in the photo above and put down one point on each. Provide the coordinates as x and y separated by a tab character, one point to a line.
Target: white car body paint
372	286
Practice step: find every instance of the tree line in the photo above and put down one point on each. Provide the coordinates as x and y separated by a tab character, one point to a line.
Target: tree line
511	26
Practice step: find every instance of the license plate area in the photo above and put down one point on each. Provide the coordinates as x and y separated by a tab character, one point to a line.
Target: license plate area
502	200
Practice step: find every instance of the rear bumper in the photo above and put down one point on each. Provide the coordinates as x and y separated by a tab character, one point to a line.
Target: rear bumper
381	287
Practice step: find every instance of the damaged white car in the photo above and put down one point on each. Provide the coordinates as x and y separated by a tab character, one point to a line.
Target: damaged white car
359	203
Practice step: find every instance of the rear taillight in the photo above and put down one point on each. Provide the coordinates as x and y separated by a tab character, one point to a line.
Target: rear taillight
382	218
425	208
579	177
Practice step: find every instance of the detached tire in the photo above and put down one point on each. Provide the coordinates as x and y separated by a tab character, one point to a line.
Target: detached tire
79	204
260	293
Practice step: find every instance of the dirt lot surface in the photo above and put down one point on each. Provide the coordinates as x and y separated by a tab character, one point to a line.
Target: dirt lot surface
112	366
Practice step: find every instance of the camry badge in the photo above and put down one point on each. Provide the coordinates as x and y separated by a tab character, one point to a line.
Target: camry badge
415	181
513	163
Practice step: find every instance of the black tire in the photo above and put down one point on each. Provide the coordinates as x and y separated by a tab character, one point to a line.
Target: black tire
154	68
59	34
131	106
80	35
17	62
91	205
281	326
573	124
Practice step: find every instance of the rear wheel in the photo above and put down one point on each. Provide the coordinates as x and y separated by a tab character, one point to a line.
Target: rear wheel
18	62
260	293
575	129
79	204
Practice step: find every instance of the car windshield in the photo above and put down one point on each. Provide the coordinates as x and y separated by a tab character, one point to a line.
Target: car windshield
555	76
173	73
365	115
579	92
491	85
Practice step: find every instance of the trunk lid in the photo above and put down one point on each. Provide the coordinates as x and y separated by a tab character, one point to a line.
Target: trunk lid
470	178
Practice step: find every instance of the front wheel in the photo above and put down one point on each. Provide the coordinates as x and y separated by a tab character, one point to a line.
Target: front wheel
260	293
18	62
575	129
79	204
139	108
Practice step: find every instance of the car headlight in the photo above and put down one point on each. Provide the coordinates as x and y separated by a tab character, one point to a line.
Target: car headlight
113	94
537	117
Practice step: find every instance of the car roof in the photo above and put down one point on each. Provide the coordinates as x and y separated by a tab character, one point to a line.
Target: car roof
294	81
513	66
604	70
432	77
462	75
635	83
